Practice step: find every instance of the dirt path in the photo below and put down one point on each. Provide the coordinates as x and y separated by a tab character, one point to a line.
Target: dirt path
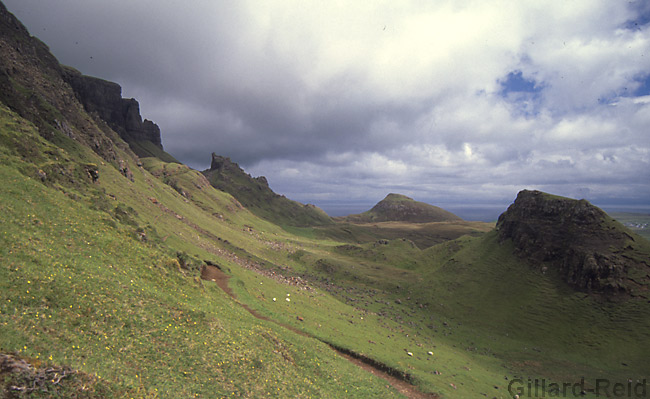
214	274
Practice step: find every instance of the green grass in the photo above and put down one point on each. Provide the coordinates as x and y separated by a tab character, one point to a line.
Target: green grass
423	235
145	149
486	315
102	277
80	288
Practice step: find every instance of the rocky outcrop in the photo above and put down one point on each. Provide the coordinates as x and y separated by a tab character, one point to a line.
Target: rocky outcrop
220	163
104	99
591	251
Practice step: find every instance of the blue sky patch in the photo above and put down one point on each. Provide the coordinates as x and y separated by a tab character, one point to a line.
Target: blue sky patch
644	88
524	93
642	10
515	82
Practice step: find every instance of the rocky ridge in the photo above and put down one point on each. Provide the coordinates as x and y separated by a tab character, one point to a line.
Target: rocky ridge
32	85
255	194
61	101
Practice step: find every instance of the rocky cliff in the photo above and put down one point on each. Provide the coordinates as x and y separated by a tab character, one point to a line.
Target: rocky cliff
32	85
53	97
104	99
590	251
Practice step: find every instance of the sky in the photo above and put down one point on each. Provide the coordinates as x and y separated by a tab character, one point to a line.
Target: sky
338	103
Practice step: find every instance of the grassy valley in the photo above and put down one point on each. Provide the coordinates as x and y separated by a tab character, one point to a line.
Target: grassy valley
104	291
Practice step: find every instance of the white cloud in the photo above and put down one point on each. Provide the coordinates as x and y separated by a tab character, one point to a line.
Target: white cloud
348	99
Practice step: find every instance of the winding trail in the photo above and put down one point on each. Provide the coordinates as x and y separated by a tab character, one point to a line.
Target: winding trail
214	274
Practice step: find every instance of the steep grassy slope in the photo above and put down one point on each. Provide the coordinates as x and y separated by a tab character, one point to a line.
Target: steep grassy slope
100	258
92	279
483	286
146	149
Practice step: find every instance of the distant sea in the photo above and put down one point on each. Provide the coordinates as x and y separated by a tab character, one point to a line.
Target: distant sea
482	213
473	212
643	209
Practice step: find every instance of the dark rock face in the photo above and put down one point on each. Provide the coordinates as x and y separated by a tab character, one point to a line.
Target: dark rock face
218	162
104	99
265	183
591	251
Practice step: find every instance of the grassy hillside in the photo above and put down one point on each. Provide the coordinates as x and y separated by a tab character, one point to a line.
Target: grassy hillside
400	208
92	279
146	149
256	195
103	278
490	315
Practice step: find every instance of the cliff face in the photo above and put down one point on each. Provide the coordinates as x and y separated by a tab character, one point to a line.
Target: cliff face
32	85
104	99
62	102
591	251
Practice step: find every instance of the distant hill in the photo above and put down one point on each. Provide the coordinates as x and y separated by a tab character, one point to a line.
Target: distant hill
400	208
255	194
588	248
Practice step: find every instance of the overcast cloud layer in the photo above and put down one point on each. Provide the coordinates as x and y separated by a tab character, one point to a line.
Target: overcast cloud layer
444	101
